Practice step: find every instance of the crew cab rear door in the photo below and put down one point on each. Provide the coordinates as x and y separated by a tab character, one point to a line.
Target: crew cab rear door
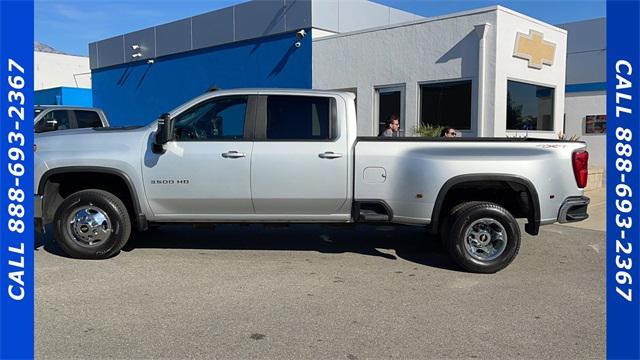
300	162
205	171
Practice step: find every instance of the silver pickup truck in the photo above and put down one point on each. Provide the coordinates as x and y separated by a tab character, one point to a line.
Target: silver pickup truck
293	156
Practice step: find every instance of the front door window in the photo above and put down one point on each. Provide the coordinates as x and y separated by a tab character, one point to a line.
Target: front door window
213	120
53	120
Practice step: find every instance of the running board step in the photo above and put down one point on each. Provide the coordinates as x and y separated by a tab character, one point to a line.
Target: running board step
371	211
367	215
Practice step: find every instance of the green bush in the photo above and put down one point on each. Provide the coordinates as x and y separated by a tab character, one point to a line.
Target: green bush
428	130
563	136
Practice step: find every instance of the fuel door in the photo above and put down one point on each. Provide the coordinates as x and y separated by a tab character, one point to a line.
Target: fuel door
373	175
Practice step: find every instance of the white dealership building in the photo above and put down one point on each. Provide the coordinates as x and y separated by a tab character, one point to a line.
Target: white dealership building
486	72
60	70
60	79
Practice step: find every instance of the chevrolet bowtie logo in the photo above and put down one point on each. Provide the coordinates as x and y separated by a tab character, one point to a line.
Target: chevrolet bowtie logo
532	47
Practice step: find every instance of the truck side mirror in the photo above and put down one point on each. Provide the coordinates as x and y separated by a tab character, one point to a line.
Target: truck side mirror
163	134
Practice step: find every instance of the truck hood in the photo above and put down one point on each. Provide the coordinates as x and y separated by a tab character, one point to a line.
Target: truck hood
87	140
88	131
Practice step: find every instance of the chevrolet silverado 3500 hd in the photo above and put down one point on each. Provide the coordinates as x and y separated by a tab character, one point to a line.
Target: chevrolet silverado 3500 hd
293	156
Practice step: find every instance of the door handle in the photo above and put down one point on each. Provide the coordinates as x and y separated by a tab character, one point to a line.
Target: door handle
233	155
330	155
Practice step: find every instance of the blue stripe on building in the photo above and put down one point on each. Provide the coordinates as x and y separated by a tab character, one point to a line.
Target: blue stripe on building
64	96
599	86
136	93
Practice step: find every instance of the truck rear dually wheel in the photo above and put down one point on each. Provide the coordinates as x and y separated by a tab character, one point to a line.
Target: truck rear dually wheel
92	224
445	228
484	237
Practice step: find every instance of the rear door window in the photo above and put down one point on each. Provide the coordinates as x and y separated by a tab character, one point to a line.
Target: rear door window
87	119
299	118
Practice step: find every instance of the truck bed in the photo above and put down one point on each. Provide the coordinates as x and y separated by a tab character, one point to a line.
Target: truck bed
464	139
408	173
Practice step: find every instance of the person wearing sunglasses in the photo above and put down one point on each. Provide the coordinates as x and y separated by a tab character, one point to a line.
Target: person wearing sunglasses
392	127
448	132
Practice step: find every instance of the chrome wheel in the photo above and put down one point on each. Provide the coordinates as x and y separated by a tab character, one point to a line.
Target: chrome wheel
89	225
485	239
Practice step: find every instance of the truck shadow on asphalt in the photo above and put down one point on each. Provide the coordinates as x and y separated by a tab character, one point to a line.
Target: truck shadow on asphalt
409	243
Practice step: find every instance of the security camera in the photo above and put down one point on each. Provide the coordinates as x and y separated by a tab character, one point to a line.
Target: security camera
298	44
301	33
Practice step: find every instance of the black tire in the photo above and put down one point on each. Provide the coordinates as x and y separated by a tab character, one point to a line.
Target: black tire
445	223
111	215
487	217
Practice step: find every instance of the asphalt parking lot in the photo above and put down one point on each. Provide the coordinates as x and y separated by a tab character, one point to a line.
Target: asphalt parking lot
314	292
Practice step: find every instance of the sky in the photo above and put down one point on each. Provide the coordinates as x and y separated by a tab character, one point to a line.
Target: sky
69	26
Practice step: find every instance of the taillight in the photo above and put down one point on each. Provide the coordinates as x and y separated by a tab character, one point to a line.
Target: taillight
580	161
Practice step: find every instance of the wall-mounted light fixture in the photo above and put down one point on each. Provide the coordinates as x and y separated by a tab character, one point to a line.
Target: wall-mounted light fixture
150	61
135	47
299	35
136	55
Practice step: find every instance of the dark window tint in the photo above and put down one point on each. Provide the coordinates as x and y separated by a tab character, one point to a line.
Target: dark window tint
389	103
221	118
53	120
298	118
529	107
87	119
446	104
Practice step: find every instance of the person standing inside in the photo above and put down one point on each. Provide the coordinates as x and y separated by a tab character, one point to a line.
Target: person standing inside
392	127
448	132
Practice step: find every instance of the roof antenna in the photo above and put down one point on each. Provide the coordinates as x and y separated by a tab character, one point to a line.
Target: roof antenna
213	88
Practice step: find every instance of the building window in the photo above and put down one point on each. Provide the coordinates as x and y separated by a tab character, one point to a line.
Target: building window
529	107
595	124
446	104
390	102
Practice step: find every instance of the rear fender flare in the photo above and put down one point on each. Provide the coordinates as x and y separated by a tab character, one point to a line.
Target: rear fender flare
533	218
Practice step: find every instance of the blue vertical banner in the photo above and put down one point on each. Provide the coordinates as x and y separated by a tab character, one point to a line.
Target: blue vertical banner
16	180
623	182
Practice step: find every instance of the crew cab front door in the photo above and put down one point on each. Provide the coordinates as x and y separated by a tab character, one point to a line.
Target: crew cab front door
299	166
205	171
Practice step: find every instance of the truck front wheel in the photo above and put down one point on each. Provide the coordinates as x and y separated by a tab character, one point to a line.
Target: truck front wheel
92	224
484	238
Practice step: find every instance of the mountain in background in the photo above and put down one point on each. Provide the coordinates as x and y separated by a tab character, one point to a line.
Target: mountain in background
38	46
